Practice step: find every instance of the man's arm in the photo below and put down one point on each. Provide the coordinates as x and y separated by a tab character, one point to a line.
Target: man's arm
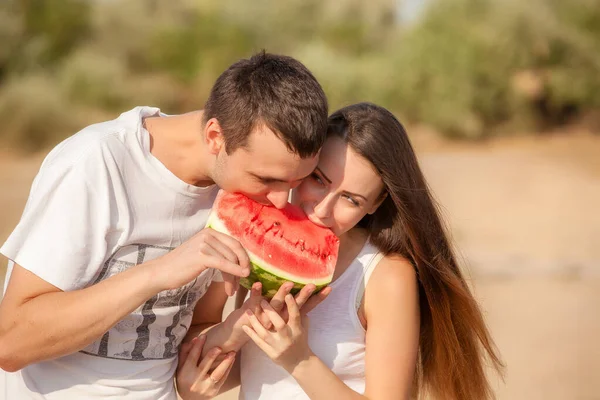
38	321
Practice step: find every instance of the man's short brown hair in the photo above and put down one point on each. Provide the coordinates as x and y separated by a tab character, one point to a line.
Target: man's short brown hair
274	90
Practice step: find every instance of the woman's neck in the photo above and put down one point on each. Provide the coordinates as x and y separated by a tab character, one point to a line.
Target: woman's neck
351	243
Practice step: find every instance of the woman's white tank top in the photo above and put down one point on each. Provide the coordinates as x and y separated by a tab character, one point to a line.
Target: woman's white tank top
335	335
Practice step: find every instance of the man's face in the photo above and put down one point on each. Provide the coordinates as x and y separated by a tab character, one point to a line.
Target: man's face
264	169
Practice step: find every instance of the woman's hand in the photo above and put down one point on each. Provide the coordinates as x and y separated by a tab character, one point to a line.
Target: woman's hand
197	379
240	317
286	343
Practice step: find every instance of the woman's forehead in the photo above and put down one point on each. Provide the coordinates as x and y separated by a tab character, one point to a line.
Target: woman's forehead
344	167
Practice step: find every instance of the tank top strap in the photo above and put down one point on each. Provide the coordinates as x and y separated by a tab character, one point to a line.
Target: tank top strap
370	259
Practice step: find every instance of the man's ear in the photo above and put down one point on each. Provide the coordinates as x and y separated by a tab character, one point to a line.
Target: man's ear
378	203
213	136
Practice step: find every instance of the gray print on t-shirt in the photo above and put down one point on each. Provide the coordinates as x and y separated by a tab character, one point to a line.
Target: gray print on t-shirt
156	328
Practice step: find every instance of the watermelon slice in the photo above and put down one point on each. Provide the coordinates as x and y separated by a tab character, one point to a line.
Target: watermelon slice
283	245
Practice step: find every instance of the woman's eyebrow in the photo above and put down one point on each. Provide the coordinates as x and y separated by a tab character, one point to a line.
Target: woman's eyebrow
323	175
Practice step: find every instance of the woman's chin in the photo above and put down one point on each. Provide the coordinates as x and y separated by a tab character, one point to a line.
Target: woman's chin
316	221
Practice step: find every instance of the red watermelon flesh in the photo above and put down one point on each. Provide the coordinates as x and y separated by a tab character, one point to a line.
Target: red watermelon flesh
283	244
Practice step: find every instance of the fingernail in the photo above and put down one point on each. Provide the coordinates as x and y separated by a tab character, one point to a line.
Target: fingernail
264	304
202	337
248	312
289	297
216	351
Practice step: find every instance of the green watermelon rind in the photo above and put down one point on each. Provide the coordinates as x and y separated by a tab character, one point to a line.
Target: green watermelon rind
270	276
271	283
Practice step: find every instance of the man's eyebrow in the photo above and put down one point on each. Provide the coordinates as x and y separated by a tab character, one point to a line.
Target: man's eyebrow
272	179
323	175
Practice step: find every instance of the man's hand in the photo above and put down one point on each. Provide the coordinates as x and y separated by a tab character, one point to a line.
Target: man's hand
201	378
206	249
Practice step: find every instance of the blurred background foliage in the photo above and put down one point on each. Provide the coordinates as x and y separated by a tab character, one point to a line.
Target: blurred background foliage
466	68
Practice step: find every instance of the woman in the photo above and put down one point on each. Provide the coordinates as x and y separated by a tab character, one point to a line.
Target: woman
400	320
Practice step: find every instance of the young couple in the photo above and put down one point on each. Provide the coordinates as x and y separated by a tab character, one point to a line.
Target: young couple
108	274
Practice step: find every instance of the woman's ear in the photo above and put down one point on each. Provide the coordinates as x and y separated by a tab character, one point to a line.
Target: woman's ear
213	136
378	203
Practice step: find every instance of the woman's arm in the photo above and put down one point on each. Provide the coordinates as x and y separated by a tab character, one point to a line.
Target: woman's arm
391	306
392	313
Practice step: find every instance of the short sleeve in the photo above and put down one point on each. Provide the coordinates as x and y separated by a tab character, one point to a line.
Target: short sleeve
61	236
217	277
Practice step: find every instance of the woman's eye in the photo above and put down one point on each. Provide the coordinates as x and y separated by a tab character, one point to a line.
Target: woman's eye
316	178
352	201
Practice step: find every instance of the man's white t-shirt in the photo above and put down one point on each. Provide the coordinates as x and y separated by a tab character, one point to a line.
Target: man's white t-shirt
100	204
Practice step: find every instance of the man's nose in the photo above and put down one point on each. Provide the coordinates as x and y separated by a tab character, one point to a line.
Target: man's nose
279	199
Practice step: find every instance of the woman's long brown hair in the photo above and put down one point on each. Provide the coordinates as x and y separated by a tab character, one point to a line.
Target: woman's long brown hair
454	340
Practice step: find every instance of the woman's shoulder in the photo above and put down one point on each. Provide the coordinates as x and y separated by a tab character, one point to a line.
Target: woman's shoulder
396	269
393	280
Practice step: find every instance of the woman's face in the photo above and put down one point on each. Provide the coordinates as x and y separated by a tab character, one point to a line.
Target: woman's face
342	190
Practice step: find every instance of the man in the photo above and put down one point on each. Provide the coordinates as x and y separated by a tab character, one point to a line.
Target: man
107	263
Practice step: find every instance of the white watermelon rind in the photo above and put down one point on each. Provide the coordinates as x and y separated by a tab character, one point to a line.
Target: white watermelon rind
270	276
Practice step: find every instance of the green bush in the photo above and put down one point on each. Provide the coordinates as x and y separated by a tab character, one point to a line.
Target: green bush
35	114
467	68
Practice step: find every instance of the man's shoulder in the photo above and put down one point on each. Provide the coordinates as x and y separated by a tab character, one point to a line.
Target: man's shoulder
99	143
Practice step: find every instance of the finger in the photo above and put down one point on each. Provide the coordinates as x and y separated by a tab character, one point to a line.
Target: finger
295	319
227	372
235	246
305	294
222	250
253	301
255	297
221	247
220	358
220	373
224	265
301	298
183	354
231	283
315	300
278	301
208	360
194	356
274	317
257	339
254	305
256	325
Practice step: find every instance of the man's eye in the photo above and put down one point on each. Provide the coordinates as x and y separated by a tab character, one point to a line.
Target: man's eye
265	181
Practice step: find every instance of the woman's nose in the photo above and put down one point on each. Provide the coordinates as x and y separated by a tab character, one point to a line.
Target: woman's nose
323	208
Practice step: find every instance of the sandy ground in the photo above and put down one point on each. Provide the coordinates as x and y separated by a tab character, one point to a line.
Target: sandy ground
523	213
